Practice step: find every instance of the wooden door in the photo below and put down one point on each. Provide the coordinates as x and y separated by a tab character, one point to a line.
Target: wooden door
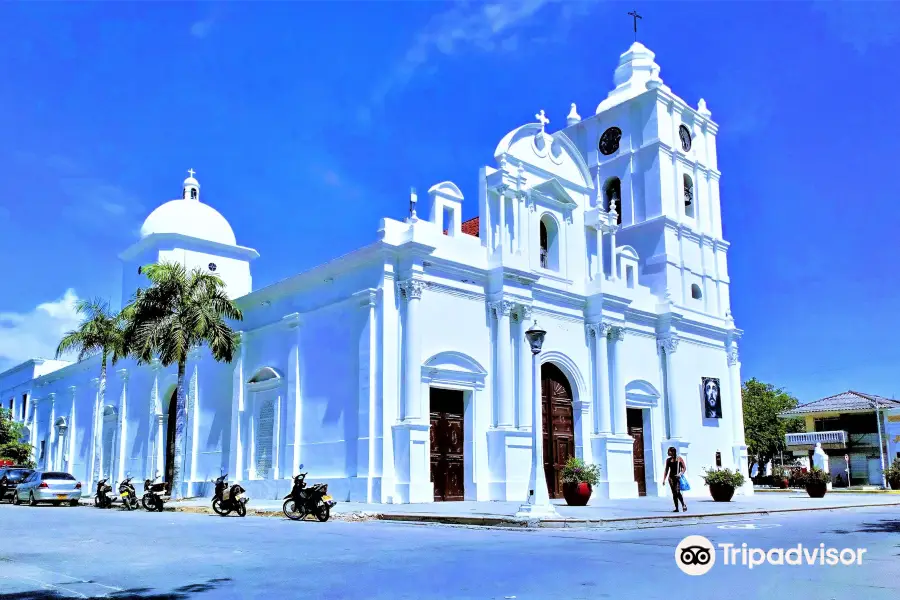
558	426
447	441
636	431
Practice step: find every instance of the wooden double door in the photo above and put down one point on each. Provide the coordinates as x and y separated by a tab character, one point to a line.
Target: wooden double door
447	444
635	420
558	424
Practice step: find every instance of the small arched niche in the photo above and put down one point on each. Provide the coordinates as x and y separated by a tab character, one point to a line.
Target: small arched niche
612	197
688	196
696	292
549	241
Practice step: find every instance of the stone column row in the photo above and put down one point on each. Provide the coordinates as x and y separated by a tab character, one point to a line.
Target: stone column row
667	346
411	292
609	417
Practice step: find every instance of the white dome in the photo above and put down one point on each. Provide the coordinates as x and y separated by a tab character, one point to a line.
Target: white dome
192	218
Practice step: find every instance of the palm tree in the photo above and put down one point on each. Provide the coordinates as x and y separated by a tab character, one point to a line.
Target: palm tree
179	312
101	332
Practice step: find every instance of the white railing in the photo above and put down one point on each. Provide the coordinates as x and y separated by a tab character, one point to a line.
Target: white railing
816	437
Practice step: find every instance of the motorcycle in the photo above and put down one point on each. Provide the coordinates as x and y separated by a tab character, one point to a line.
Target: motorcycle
127	494
154	495
102	499
227	500
303	500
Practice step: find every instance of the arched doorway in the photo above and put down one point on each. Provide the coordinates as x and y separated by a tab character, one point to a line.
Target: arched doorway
170	437
559	427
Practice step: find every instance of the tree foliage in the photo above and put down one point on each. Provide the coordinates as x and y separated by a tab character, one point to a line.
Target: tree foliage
764	431
11	445
101	332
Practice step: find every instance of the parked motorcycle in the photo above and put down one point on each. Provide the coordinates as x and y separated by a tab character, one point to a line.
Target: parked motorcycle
102	499
154	495
127	494
303	500
228	499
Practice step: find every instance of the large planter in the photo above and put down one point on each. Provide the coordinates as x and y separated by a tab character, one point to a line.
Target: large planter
577	494
721	492
816	489
894	483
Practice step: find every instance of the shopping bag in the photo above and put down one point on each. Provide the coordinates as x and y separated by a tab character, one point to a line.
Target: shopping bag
683	484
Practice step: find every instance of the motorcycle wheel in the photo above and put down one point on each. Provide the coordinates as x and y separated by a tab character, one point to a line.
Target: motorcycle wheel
241	509
292	511
147	502
217	508
323	512
97	502
131	503
159	504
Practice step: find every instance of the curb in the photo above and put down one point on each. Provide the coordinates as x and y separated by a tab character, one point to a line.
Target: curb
564	523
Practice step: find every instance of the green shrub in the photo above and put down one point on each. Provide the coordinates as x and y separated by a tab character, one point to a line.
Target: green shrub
816	475
723	477
576	471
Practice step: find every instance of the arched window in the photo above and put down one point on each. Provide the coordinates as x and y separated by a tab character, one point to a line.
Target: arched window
612	195
696	292
549	243
193	193
688	196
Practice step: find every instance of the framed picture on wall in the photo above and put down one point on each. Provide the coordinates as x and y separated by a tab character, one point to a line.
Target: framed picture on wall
712	398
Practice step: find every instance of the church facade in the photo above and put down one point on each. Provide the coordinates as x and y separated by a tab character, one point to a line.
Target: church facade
400	372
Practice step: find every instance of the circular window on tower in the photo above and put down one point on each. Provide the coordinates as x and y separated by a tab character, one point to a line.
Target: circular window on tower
212	266
685	135
609	141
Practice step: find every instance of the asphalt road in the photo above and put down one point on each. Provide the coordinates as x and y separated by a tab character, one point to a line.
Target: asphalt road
49	552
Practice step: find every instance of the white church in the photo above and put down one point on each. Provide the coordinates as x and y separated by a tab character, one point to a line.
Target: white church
400	372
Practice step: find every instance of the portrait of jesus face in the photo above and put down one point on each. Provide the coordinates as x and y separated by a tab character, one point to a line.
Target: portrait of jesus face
712	393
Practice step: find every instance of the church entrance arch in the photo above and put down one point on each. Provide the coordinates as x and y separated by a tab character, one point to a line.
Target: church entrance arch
558	425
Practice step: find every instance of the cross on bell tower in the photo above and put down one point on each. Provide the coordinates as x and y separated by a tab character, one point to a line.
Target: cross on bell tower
634	15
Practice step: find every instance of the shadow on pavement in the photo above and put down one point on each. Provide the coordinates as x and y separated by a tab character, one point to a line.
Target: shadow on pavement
181	593
886	526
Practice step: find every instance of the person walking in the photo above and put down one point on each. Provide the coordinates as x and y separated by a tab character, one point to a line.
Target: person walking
675	468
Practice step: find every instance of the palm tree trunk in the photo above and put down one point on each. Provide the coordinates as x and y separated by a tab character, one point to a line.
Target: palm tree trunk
180	434
98	422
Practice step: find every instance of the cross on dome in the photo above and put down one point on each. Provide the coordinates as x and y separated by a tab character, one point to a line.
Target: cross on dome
542	119
191	172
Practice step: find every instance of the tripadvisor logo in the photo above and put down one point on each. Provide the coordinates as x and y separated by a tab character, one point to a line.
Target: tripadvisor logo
696	555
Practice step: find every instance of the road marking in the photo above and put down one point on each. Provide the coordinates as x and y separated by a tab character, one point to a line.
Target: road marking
750	526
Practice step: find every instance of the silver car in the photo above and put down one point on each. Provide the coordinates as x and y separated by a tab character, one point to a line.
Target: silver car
48	486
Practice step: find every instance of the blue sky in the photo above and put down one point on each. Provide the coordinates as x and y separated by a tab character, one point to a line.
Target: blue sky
307	122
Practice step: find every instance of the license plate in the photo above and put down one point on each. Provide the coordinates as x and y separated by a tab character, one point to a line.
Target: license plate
326	498
61	496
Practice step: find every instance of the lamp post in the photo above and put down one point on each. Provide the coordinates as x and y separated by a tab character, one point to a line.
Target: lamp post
537	505
880	444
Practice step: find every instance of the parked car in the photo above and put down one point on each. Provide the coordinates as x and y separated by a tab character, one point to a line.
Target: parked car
10	477
48	486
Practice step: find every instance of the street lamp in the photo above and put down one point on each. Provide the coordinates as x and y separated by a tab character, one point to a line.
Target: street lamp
537	505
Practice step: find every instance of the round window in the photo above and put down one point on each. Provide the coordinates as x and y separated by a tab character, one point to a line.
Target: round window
212	266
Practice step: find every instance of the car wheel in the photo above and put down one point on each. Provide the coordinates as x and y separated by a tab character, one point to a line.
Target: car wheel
31	500
73	502
16	500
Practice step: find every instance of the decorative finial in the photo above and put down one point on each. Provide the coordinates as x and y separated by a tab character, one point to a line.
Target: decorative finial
542	119
701	108
413	198
573	117
191	173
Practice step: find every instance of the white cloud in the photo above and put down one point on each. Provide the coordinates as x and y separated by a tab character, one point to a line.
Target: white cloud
492	27
201	29
36	334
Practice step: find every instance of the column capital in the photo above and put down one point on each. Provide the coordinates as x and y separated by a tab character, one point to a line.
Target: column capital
616	333
411	289
668	343
73	389
156	364
733	357
501	308
95	382
51	396
523	312
123	374
598	329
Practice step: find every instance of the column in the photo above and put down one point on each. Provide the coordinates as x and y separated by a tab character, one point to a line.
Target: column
236	452
502	203
734	376
35	402
617	335
96	432
122	426
523	408
668	345
599	332
503	376
598	269
155	411
411	290
51	432
70	439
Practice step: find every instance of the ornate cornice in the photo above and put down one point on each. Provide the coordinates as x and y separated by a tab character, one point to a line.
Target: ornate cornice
733	357
411	289
600	329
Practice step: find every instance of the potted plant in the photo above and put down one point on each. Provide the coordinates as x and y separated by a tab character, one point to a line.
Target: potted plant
780	478
722	483
892	474
578	481
816	482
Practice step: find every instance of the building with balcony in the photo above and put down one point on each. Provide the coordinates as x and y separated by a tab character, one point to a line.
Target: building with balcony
847	425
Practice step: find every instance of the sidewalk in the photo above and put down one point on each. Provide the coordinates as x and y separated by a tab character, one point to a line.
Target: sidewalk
610	514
